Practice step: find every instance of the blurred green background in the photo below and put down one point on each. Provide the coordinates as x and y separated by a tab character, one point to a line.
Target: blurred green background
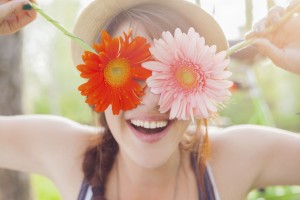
51	80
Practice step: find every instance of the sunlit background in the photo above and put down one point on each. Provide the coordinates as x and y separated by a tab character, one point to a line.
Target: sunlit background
51	79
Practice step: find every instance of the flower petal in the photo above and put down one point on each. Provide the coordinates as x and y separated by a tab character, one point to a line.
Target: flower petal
156	66
105	86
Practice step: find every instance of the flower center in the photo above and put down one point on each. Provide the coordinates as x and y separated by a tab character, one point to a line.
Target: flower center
117	72
187	77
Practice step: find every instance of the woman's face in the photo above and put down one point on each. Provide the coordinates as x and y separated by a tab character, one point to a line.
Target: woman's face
145	135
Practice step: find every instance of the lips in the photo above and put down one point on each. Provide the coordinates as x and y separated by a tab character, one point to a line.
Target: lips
149	131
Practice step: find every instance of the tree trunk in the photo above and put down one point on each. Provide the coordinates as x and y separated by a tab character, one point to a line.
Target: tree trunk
13	185
249	17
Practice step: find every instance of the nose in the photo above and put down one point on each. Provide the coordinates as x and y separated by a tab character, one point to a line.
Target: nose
150	100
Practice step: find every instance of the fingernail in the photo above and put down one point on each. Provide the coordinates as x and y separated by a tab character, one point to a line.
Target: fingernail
27	6
257	29
249	34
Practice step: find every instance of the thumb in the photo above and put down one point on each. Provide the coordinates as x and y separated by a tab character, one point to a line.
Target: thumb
11	7
266	48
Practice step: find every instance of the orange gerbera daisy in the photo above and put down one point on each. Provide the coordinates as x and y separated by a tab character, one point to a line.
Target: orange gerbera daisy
113	73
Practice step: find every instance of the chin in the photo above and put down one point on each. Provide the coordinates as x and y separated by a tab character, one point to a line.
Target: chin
152	158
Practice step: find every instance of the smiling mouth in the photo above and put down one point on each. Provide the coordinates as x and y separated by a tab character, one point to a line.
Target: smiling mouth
149	127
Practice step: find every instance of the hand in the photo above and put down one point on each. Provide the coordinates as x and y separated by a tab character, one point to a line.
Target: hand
13	17
282	45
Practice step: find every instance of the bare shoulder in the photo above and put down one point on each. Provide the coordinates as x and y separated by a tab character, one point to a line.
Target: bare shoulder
64	152
241	156
62	139
247	139
70	143
233	169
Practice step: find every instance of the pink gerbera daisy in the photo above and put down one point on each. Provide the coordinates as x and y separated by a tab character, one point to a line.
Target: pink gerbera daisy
188	75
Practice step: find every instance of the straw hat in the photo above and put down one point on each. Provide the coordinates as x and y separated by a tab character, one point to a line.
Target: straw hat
94	17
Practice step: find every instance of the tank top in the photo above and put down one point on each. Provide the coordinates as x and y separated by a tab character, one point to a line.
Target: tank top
86	191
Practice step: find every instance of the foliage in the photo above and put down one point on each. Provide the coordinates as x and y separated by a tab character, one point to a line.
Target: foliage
277	90
276	193
44	189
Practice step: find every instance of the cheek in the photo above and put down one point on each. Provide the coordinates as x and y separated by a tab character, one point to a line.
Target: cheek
115	123
180	128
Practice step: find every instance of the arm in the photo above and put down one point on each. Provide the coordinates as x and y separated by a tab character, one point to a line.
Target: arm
280	151
262	156
41	144
283	45
14	16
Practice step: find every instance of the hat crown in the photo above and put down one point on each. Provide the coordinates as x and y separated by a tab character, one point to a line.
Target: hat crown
95	16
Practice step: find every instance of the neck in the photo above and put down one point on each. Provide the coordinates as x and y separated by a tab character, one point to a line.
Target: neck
143	180
138	174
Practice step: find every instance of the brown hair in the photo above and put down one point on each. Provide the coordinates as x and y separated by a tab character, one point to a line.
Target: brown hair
99	158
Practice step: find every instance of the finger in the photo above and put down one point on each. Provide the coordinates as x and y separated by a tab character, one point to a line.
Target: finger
273	18
250	35
290	30
17	20
293	4
276	10
26	18
11	7
4	1
266	48
275	14
257	30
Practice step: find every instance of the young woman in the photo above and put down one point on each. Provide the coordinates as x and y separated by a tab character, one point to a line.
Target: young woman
145	150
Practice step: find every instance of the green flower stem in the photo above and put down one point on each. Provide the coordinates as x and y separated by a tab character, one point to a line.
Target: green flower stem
239	46
60	27
249	42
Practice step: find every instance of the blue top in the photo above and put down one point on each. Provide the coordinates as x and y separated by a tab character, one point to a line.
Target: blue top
86	191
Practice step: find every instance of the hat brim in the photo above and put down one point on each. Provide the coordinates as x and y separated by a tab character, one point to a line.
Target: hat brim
96	15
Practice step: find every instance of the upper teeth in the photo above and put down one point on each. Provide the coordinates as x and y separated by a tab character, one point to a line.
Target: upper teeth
147	124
